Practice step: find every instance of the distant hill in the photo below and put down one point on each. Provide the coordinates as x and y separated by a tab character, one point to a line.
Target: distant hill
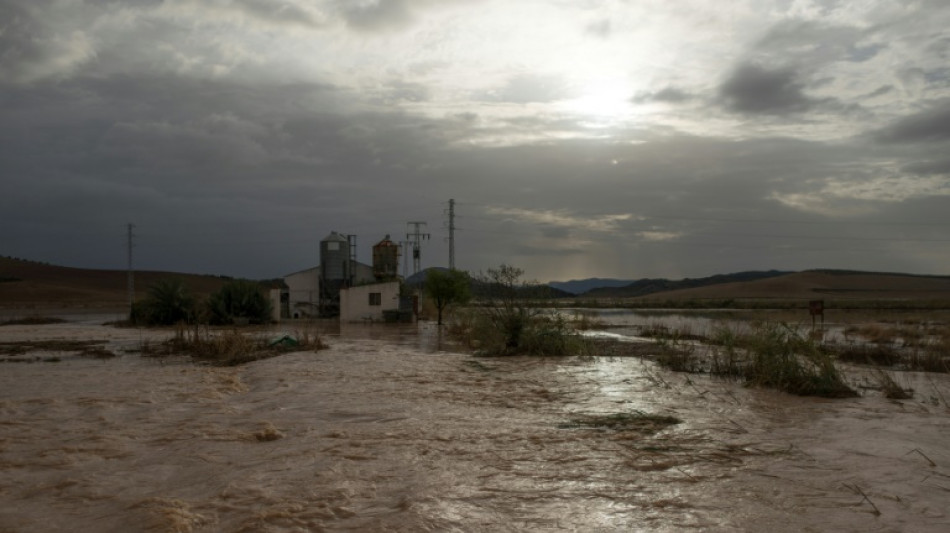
25	284
580	286
811	284
480	289
825	284
32	285
646	287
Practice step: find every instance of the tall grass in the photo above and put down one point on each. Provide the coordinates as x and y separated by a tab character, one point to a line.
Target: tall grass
783	359
768	355
917	345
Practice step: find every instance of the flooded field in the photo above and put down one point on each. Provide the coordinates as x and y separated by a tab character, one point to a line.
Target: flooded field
390	429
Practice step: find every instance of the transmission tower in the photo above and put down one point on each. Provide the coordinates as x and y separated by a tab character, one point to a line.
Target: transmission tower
415	239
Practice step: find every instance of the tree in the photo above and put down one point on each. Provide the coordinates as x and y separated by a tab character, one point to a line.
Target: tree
507	309
239	299
447	287
169	302
514	318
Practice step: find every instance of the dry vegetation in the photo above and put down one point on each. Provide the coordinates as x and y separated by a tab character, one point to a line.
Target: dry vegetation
231	347
909	345
767	355
32	320
52	351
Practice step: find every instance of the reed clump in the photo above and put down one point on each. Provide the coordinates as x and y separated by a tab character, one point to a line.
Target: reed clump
767	355
918	345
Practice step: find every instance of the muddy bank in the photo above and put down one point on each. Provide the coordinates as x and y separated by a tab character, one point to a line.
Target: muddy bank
385	430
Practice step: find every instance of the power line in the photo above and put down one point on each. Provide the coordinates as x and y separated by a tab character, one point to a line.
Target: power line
416	238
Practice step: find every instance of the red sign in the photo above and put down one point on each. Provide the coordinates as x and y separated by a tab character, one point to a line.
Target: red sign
816	307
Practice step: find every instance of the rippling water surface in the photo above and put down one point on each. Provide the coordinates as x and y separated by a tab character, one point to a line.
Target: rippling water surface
391	430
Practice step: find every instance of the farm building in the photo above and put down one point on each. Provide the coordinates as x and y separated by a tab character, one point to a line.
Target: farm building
316	291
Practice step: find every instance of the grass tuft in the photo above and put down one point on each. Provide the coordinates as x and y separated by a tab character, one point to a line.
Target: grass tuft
32	320
637	421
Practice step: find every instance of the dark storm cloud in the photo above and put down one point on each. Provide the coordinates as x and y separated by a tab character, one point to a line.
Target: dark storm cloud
931	125
723	197
185	159
880	91
182	118
816	43
528	88
669	95
387	15
279	12
377	14
20	37
934	166
754	89
30	49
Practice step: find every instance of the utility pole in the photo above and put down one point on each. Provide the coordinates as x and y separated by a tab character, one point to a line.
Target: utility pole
415	238
129	246
452	234
403	246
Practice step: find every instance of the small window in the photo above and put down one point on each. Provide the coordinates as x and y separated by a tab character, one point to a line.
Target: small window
376	298
333	246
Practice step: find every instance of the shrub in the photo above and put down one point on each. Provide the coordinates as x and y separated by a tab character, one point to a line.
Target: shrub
447	288
509	321
239	301
770	355
169	302
781	358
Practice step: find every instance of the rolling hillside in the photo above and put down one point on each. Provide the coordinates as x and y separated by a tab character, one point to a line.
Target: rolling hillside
25	284
817	284
647	286
28	284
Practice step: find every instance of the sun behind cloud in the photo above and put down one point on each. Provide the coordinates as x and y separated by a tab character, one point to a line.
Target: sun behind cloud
601	98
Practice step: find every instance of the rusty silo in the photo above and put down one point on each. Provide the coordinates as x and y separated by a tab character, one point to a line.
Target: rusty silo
385	260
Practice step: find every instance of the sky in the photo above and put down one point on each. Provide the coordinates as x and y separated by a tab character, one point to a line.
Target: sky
578	138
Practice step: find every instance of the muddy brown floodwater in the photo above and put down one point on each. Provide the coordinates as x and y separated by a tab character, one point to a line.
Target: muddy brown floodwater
385	431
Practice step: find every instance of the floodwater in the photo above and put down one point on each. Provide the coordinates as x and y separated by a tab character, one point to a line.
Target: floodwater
391	430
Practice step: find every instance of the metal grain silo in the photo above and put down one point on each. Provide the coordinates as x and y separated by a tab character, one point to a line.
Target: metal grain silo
385	260
335	271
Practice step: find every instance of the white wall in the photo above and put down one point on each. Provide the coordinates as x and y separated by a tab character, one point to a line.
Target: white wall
355	306
274	295
304	292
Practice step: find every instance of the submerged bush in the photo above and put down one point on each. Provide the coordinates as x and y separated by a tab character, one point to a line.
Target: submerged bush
510	321
770	355
782	358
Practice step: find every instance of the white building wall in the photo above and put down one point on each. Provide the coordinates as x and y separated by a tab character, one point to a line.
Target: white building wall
304	292
363	274
355	303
